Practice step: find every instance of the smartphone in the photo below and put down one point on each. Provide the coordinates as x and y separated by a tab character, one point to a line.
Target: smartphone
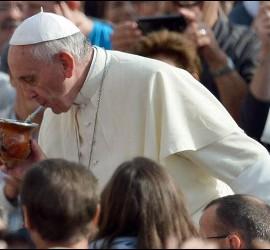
172	23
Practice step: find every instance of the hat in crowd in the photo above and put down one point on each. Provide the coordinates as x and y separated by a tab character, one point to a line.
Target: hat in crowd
43	27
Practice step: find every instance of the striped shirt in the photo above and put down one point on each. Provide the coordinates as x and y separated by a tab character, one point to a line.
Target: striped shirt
240	44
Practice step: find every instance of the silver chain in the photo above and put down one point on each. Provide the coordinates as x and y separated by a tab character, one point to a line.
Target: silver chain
97	111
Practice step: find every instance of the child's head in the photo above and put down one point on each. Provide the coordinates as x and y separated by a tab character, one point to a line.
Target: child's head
142	201
60	202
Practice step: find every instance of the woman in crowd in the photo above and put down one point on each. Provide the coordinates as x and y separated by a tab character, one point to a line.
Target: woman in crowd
141	208
170	47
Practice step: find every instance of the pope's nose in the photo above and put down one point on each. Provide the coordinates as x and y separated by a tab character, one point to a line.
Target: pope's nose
29	94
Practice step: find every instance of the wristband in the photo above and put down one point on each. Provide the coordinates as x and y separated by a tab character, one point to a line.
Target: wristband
228	68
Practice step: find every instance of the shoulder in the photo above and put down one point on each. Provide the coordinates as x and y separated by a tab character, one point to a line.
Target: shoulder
146	72
139	64
235	38
137	71
239	15
102	24
238	31
242	37
101	27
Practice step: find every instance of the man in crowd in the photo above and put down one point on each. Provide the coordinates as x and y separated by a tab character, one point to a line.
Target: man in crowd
60	205
7	96
12	14
228	52
235	222
105	107
255	111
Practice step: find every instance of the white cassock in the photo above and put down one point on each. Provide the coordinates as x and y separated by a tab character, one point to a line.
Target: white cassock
151	109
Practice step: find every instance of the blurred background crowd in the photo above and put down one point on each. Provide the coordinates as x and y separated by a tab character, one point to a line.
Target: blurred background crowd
224	44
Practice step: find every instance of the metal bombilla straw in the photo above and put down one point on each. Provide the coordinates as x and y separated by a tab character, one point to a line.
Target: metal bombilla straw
31	117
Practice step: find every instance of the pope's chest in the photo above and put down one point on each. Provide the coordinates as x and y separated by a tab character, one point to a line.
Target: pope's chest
100	143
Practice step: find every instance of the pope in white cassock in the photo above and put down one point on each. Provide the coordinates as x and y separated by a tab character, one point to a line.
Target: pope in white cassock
105	107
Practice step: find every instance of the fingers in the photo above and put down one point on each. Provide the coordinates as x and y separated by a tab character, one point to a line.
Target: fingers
196	30
17	169
203	41
200	35
15	174
262	25
74	5
65	10
190	16
127	28
37	154
57	10
125	36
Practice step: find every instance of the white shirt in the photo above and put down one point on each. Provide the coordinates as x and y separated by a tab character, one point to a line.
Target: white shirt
151	109
7	96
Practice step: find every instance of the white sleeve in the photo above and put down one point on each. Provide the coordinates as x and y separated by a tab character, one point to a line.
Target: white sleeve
239	161
266	132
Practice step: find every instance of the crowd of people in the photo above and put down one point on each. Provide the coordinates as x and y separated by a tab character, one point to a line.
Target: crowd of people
147	140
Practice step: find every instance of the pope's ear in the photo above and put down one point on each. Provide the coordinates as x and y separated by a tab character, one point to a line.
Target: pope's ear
68	63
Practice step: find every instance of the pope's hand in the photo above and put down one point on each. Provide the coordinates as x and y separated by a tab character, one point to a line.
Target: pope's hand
16	172
125	36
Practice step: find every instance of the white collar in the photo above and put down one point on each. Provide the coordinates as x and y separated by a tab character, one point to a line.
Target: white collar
93	79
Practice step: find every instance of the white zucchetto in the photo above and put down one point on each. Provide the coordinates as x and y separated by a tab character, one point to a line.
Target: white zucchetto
43	27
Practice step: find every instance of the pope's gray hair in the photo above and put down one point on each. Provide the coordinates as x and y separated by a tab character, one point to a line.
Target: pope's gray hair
76	44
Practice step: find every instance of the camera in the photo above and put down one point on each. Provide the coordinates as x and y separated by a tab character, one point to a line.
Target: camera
169	22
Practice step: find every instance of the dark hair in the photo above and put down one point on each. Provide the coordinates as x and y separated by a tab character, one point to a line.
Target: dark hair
246	214
172	45
61	200
142	201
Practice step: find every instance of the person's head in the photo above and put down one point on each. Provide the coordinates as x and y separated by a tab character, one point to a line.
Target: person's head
206	11
141	201
12	14
119	11
236	221
60	203
172	48
147	8
52	72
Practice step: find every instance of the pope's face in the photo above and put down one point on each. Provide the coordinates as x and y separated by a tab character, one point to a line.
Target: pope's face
42	82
